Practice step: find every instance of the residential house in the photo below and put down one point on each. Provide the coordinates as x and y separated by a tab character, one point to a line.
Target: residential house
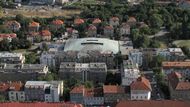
72	33
124	29
12	58
179	87
182	67
108	31
132	21
48	91
16	91
130	73
92	31
176	54
22	72
13	25
136	56
141	89
9	37
34	37
87	96
114	21
39	104
114	93
153	103
34	26
78	21
96	21
95	72
46	35
56	24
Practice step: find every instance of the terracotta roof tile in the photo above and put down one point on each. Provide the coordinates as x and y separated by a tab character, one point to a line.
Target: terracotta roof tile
115	18
92	27
57	22
12	35
13	22
45	33
141	84
176	64
17	86
132	19
39	104
177	83
34	24
78	21
96	21
109	27
153	103
113	89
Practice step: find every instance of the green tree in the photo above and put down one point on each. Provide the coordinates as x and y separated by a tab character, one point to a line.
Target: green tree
2	98
31	58
5	45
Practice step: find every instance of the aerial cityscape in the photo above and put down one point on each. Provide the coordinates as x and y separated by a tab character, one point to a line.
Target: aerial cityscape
94	53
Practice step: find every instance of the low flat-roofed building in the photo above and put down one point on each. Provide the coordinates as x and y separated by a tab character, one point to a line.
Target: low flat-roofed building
22	72
12	58
95	72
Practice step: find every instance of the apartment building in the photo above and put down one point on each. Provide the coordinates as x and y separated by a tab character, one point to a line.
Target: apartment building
22	72
12	58
95	72
49	91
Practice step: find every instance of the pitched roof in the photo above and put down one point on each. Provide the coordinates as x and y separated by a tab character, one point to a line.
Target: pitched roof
113	89
78	21
176	82
176	64
125	25
13	22
34	24
45	33
114	18
11	35
108	27
92	27
141	84
57	22
153	103
132	19
96	21
17	86
39	104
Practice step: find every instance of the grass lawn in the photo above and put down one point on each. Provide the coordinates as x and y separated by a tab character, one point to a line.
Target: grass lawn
181	43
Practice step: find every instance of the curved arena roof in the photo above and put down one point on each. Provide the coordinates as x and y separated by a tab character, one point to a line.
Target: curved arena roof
103	45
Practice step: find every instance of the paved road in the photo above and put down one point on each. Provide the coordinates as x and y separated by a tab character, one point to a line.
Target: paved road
162	32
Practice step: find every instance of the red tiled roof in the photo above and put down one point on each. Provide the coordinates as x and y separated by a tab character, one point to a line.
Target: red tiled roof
34	24
57	22
141	84
83	90
39	104
109	27
153	103
11	85
12	35
34	34
125	25
115	18
113	89
176	82
13	22
92	27
45	33
96	21
175	64
78	21
132	19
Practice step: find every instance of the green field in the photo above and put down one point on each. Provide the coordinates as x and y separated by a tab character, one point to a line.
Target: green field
181	43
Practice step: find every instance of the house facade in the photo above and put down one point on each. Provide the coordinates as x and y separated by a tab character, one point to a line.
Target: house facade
13	25
108	31
114	21
34	26
141	89
12	58
92	31
124	29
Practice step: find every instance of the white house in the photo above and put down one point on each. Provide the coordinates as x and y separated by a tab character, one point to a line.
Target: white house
136	56
141	89
130	74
